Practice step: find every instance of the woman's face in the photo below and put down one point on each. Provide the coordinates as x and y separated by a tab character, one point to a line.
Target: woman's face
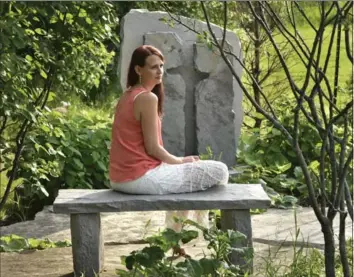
152	71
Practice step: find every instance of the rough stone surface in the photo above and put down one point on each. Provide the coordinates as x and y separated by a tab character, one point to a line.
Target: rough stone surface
173	122
239	220
233	196
87	242
182	67
208	60
213	105
170	45
143	22
121	227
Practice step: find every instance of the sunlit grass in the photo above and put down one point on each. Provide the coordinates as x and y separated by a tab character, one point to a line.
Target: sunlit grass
277	86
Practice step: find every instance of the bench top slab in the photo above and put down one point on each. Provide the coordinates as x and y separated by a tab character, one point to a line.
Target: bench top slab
231	196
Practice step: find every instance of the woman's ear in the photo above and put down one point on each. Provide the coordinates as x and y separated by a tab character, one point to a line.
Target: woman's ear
137	70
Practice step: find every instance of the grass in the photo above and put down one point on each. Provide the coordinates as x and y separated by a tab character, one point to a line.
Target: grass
276	93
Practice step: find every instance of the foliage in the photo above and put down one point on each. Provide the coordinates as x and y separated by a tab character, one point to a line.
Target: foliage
152	260
49	50
71	152
271	160
14	243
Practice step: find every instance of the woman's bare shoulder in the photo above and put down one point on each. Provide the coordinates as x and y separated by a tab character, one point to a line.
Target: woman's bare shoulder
147	97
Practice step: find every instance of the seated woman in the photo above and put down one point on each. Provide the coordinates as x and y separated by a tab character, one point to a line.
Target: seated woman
139	164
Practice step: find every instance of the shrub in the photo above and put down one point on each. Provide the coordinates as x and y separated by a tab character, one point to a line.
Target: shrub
64	152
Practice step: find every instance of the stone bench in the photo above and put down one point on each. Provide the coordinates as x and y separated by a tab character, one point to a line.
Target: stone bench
85	206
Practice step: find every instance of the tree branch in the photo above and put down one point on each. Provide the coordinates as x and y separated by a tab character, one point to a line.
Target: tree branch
225	24
259	109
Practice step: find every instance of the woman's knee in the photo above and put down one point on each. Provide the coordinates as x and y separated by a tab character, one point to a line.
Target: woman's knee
224	172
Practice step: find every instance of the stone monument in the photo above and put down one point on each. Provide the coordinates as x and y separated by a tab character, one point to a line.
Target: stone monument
203	102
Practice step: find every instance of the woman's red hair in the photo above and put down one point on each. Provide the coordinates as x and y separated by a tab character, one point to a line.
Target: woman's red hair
138	58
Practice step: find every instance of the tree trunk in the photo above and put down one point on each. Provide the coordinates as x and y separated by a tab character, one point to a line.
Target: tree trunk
342	242
329	249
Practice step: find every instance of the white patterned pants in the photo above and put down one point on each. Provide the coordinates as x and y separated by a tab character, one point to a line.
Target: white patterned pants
178	178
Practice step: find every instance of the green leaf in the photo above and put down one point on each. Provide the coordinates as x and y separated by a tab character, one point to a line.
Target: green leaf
129	262
44	191
290	200
29	58
43	74
101	166
276	132
64	243
209	265
95	156
82	13
53	20
40	31
314	165
13	243
33	243
283	168
88	20
96	82
298	172
51	96
194	268
78	163
188	235
154	253
75	150
29	32
235	236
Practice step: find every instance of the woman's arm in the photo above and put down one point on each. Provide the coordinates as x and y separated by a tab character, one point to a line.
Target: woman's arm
146	106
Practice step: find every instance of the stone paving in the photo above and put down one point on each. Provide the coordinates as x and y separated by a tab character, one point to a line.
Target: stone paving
275	225
123	233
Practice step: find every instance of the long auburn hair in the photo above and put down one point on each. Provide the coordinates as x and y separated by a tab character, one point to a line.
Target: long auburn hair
138	58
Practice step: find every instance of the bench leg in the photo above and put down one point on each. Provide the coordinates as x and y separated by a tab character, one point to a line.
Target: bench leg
239	220
87	244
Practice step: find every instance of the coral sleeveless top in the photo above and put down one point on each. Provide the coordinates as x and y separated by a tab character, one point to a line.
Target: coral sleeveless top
128	157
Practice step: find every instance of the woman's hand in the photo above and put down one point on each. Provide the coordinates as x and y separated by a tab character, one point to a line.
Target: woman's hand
190	159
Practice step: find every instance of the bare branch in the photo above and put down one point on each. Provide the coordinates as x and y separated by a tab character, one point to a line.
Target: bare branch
305	16
348	199
347	44
292	20
285	32
343	174
225	24
342	113
337	62
285	67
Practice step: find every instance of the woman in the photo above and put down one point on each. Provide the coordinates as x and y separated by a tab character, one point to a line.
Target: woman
139	164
